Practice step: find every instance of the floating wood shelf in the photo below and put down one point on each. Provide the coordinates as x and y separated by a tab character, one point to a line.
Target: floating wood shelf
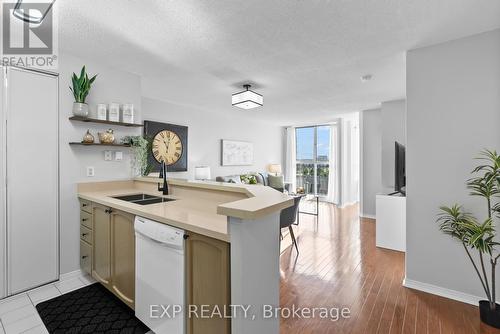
93	120
98	144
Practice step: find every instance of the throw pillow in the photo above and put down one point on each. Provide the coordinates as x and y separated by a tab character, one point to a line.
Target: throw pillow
248	179
276	182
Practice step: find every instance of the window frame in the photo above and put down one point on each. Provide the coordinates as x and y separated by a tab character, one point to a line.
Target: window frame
315	160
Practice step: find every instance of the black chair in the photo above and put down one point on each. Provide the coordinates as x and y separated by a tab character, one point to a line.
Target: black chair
288	217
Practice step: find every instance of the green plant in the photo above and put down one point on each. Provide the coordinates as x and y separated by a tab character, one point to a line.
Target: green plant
248	179
140	146
472	233
81	85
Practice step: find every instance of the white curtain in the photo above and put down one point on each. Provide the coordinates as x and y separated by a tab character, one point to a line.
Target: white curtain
290	159
334	166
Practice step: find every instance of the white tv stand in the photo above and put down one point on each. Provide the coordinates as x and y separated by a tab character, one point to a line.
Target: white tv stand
391	222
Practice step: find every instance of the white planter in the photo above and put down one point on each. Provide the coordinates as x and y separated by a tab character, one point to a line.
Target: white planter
80	109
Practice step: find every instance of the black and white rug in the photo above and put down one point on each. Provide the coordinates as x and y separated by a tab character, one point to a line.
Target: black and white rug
91	309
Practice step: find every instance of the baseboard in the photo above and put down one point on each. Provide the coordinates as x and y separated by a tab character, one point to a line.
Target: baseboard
443	292
364	215
71	275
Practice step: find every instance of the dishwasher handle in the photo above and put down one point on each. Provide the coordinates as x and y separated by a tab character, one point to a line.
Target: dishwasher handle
176	246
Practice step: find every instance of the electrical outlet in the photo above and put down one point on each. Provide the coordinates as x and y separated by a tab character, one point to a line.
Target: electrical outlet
90	172
108	156
118	155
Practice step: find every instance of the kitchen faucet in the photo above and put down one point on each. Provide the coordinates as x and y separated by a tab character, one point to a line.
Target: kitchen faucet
163	174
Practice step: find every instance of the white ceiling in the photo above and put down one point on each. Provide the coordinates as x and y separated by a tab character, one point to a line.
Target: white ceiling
305	56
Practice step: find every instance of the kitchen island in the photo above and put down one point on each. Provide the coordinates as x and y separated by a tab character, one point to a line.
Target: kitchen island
240	222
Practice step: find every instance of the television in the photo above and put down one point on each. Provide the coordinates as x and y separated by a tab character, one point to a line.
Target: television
399	170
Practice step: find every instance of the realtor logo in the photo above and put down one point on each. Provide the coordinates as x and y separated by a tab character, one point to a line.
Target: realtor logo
28	34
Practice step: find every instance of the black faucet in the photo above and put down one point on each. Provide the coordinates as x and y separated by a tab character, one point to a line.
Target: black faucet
163	174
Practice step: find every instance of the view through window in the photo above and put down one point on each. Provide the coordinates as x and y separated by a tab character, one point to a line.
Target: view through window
313	159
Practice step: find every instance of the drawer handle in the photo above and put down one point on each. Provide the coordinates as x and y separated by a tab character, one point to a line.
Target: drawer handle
84	234
84	205
84	219
108	211
84	257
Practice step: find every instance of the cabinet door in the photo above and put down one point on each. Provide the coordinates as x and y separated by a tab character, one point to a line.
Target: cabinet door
123	256
207	269
101	255
85	257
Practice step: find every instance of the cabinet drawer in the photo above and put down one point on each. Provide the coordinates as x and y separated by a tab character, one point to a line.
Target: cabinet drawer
85	257
86	234
86	219
85	205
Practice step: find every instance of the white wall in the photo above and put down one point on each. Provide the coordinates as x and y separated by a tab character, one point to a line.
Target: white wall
110	85
206	131
393	114
371	156
453	112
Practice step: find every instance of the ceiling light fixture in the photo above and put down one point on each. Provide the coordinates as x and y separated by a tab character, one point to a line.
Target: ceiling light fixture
366	77
21	13
247	99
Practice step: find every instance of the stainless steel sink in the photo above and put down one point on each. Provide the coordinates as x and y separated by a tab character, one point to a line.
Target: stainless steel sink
143	199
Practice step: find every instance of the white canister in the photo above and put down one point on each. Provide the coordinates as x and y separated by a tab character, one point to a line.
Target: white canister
101	111
128	113
114	112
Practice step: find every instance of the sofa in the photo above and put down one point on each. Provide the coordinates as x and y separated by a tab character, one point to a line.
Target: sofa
275	182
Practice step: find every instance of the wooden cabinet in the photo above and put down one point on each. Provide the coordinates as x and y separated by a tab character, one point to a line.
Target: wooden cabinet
101	264
107	249
207	281
86	237
113	251
85	205
85	257
123	256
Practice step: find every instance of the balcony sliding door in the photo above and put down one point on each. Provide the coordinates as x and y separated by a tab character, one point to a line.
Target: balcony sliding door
313	159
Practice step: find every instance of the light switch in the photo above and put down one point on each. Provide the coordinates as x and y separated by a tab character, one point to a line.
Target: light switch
108	156
90	171
118	155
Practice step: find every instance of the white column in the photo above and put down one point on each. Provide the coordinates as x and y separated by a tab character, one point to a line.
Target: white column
255	274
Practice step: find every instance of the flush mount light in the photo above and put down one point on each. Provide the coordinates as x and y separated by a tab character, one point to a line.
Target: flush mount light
32	15
366	77
247	99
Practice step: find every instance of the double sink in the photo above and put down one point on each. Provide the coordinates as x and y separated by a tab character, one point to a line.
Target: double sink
143	199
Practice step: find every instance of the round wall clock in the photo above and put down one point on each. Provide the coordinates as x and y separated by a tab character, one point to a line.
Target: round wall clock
167	147
169	143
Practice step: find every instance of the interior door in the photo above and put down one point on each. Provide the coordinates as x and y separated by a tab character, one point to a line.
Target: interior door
32	179
3	236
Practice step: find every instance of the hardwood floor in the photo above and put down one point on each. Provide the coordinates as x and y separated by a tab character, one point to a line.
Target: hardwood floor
340	267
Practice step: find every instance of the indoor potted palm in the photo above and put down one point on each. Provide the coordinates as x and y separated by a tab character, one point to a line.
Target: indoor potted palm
80	90
479	236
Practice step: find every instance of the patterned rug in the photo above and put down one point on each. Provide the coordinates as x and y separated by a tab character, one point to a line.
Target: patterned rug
91	309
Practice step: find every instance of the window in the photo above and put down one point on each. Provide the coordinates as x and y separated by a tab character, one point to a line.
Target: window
313	159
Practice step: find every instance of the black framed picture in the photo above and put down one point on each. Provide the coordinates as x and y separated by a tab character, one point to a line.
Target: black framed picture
169	144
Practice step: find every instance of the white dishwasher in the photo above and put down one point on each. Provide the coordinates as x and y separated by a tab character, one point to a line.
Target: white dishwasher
159	276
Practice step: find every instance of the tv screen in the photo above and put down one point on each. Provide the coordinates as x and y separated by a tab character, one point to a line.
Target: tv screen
400	170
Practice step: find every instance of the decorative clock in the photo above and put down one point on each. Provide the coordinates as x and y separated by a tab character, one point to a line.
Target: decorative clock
169	144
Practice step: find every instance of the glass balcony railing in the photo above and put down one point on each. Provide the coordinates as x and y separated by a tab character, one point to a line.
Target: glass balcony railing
307	182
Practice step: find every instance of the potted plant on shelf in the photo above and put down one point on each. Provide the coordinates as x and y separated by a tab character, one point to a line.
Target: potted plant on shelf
80	90
479	236
140	146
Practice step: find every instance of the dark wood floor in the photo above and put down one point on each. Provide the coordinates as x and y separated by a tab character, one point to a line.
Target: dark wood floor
339	266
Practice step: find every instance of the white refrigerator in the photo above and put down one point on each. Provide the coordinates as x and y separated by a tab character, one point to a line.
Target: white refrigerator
29	184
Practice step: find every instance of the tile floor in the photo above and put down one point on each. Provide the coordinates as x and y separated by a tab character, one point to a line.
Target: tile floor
18	313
